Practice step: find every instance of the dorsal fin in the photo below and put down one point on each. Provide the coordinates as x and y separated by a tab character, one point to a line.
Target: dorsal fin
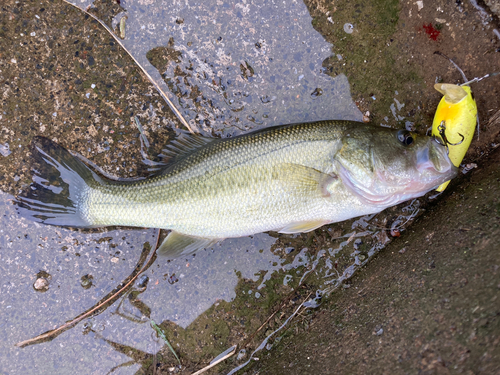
183	145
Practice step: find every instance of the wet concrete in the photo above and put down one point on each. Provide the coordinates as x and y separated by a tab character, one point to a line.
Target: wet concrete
66	78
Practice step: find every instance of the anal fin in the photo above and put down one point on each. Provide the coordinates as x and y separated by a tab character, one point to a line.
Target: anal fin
302	226
177	244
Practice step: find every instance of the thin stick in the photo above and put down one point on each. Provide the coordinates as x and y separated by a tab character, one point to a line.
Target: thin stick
453	62
263	343
480	78
163	95
245	343
162	335
232	352
49	335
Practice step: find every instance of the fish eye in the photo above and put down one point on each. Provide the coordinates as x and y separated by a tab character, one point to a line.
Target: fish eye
405	137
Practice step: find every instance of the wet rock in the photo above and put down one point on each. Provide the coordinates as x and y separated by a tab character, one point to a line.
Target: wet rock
4	149
42	281
242	353
86	281
41	284
317	92
357	243
348	28
494	6
143	281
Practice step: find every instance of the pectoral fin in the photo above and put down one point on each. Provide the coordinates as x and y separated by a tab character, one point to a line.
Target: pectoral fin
306	178
302	226
177	244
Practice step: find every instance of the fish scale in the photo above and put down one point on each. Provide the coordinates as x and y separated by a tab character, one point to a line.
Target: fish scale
207	184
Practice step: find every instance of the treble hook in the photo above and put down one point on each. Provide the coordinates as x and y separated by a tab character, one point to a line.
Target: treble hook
444	140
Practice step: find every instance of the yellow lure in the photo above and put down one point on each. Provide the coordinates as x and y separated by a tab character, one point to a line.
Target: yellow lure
457	111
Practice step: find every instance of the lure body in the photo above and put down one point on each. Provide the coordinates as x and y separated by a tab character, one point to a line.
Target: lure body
457	111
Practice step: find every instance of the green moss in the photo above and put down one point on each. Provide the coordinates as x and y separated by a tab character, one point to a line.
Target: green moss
369	56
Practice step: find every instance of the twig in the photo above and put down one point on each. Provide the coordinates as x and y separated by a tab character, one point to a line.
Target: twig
141	132
214	363
163	95
49	335
263	343
245	343
454	64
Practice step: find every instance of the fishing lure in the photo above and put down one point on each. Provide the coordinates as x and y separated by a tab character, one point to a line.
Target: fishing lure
454	121
456	117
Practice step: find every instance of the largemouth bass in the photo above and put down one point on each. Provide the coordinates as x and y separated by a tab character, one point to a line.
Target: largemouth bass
290	179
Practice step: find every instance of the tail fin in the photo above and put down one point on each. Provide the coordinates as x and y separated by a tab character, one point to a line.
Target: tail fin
61	183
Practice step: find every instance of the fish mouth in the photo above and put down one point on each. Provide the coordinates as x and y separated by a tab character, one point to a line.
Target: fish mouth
434	165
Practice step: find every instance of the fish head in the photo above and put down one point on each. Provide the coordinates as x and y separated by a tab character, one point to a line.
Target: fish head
384	167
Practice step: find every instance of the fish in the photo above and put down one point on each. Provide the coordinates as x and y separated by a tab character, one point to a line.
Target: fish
457	112
289	179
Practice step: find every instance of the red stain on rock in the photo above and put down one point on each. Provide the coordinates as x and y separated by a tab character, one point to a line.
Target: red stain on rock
431	31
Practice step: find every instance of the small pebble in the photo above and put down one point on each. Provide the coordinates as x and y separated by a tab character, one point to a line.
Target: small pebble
41	284
348	28
86	281
395	232
366	116
357	243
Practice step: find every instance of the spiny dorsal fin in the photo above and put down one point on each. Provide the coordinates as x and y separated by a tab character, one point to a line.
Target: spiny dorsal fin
184	144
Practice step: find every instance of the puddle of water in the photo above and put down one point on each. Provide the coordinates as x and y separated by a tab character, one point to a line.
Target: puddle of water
183	294
234	66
